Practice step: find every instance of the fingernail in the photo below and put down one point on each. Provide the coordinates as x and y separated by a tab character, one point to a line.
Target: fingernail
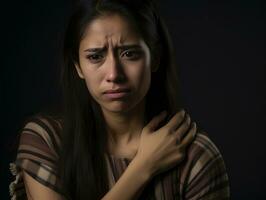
194	124
183	112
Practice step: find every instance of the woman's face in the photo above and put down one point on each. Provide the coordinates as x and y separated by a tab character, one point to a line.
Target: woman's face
115	63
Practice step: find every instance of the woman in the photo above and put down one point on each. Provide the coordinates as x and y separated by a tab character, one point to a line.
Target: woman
111	143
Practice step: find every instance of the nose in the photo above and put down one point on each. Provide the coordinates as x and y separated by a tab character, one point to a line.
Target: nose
114	70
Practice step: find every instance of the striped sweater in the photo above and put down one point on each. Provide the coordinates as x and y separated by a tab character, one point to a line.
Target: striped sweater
202	175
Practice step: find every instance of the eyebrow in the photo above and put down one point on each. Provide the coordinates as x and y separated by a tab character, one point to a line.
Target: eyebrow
123	47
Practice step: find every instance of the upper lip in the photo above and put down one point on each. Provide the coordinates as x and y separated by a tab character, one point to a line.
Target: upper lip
117	90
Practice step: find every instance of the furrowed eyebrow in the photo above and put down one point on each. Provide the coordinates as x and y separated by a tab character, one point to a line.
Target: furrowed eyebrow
95	49
126	47
123	47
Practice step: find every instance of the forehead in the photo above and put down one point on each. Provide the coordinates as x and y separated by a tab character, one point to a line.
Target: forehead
111	27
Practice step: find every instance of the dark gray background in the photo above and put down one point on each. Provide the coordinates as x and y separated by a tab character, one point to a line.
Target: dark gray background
220	52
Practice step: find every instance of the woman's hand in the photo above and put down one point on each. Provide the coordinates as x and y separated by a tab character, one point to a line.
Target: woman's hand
164	148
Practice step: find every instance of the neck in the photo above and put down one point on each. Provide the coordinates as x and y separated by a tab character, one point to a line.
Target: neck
125	128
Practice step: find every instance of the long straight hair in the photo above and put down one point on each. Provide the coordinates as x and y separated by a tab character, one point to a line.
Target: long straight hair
82	164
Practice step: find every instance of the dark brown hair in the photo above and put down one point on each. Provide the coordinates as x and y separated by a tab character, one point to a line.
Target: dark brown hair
82	165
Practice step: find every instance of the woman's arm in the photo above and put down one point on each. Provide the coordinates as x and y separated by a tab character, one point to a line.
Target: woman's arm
158	151
129	186
37	191
132	182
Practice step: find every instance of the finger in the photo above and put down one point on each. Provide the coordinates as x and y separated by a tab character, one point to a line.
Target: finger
184	127
176	120
189	137
153	124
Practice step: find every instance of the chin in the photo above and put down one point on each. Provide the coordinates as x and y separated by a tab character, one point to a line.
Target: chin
118	107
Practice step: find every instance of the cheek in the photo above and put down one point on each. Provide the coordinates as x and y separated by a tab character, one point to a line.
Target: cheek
146	80
146	77
91	82
141	76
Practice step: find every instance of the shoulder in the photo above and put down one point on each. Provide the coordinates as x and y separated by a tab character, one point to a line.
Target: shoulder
37	153
39	141
43	130
203	145
46	122
203	173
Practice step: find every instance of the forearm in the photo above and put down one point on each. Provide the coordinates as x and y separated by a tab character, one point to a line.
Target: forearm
131	183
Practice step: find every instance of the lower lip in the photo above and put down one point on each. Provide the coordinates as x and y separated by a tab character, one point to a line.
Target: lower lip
116	95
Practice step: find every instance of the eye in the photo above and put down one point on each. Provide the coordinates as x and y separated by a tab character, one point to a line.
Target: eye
94	58
131	55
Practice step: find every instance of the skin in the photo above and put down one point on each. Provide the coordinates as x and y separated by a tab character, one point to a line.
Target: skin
115	67
154	149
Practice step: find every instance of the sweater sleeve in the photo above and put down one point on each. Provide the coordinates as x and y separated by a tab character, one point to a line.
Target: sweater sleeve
204	174
37	155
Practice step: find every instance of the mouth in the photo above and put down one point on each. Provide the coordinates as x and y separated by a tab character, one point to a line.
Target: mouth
116	94
119	90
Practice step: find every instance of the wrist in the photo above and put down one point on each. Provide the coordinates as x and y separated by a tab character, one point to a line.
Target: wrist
142	166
